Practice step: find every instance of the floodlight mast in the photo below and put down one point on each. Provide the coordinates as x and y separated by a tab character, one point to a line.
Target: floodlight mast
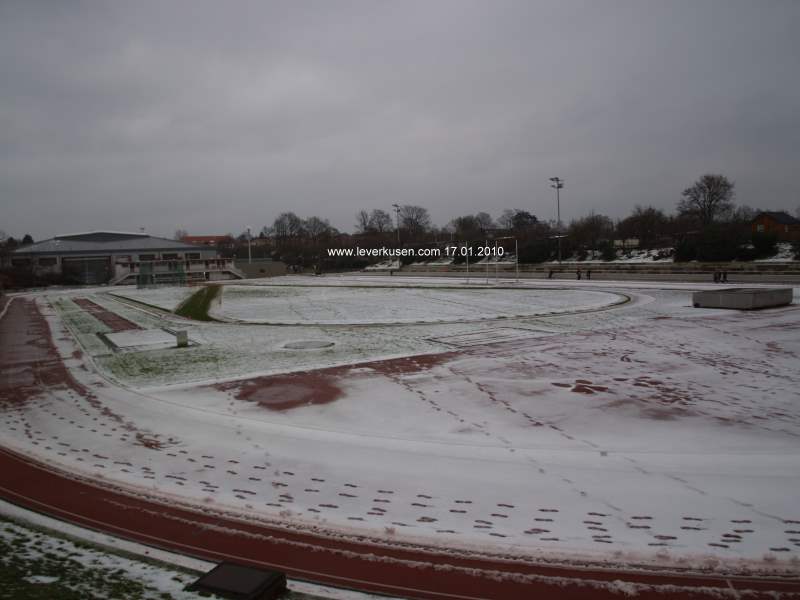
249	240
397	213
557	185
516	251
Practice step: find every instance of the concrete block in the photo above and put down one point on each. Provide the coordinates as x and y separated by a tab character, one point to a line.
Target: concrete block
182	338
743	298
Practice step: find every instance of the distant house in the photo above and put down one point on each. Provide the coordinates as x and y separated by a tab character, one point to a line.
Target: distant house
780	223
112	257
216	241
627	243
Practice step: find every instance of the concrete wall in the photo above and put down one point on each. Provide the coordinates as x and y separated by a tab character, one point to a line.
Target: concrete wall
260	268
743	298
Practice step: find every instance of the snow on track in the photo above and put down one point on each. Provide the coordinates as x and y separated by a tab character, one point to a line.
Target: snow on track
652	435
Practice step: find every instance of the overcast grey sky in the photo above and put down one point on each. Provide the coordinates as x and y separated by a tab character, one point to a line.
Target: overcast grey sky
211	116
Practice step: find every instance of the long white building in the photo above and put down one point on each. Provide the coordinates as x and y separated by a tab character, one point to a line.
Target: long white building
122	258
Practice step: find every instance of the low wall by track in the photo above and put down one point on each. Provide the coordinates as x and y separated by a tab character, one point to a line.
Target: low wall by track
783	272
260	268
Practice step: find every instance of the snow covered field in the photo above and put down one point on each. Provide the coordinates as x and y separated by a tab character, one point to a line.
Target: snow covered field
645	432
303	305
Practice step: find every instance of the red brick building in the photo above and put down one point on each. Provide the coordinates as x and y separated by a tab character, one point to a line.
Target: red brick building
218	241
780	223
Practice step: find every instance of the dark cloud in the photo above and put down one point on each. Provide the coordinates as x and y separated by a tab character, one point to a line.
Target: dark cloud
214	116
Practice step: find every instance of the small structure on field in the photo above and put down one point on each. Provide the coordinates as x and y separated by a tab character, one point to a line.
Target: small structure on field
743	298
308	345
238	582
182	338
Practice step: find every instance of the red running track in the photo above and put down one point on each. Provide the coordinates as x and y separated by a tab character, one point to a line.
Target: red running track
115	322
26	351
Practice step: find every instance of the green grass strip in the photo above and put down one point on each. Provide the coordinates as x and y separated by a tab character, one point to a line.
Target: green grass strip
197	305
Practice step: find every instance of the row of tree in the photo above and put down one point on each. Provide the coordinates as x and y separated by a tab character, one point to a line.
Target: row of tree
707	226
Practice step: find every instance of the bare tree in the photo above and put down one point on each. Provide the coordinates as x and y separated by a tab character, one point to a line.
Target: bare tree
415	220
296	225
288	225
744	214
590	230
517	219
522	221
485	221
645	224
506	219
380	221
709	198
362	221
317	228
467	228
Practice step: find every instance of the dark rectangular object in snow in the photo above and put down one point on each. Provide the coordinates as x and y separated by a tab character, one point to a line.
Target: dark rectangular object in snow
238	582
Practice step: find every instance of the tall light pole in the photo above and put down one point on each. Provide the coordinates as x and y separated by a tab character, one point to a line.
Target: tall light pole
249	252
558	184
397	213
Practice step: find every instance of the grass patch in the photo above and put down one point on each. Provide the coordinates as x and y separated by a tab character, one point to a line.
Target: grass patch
197	305
83	326
42	566
168	365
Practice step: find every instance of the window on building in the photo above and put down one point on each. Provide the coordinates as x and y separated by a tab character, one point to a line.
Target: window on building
147	257
20	262
123	259
192	255
47	261
760	228
171	256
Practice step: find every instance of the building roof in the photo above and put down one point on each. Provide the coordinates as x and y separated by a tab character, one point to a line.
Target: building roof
207	240
104	242
781	217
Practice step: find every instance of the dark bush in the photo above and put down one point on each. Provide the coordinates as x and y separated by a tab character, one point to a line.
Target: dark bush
718	243
765	244
685	251
717	250
608	252
747	253
536	252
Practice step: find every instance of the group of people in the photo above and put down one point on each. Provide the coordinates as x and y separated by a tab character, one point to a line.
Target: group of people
578	274
720	277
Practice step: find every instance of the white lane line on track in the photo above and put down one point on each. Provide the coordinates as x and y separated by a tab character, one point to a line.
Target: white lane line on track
735	593
168	543
5	308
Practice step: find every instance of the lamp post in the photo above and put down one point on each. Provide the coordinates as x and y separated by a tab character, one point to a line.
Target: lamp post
558	184
468	249
249	251
397	213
